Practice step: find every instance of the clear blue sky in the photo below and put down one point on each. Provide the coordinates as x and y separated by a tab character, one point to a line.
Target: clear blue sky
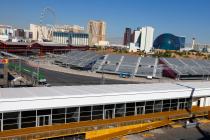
190	18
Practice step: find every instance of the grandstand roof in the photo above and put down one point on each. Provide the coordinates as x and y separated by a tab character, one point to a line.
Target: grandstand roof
12	99
52	44
16	43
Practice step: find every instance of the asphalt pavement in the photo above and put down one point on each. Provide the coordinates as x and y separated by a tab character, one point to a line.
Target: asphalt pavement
56	78
65	79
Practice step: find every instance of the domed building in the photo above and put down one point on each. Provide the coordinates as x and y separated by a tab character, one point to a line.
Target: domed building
169	42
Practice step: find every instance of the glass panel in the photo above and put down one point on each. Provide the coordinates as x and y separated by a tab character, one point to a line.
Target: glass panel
28	119
181	105
85	109
97	112
174	104
109	106
0	120
58	115
149	108
150	103
166	105
130	105
85	113
182	100
120	110
120	105
158	106
72	109
44	112
140	103
99	107
174	101
130	109
10	120
72	114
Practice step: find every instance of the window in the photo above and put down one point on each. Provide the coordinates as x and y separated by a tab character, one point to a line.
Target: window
44	112
1	66
166	105
72	114
85	113
130	109
28	119
58	115
182	100
174	104
149	106
11	120
1	76
97	112
120	110
0	121
158	106
140	103
109	106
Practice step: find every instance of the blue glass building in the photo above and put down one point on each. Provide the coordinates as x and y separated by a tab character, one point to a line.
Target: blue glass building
169	42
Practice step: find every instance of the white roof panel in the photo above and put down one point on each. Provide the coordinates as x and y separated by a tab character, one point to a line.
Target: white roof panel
12	99
82	91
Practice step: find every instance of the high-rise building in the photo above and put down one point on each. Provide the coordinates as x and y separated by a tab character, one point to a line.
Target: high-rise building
45	32
146	42
127	36
97	31
142	39
19	33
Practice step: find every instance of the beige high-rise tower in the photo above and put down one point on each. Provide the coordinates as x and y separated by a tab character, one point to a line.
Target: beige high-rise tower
97	31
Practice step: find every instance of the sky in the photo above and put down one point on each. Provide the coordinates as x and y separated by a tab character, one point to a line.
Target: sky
189	18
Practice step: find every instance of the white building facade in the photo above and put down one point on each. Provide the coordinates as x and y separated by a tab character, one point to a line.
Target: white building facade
6	32
142	39
75	39
28	107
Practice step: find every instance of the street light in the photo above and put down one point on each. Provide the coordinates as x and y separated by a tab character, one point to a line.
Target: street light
102	68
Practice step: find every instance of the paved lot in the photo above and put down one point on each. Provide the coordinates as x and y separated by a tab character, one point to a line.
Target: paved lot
65	79
56	78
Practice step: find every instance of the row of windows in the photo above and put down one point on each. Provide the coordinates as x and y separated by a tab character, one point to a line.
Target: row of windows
71	35
15	120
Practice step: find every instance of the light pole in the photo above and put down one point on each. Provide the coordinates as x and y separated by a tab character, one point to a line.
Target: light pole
38	73
102	73
20	65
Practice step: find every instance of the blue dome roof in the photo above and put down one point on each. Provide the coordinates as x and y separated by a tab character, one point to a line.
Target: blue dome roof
169	42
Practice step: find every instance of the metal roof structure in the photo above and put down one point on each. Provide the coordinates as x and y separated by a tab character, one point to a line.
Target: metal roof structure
52	44
53	97
188	68
15	43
